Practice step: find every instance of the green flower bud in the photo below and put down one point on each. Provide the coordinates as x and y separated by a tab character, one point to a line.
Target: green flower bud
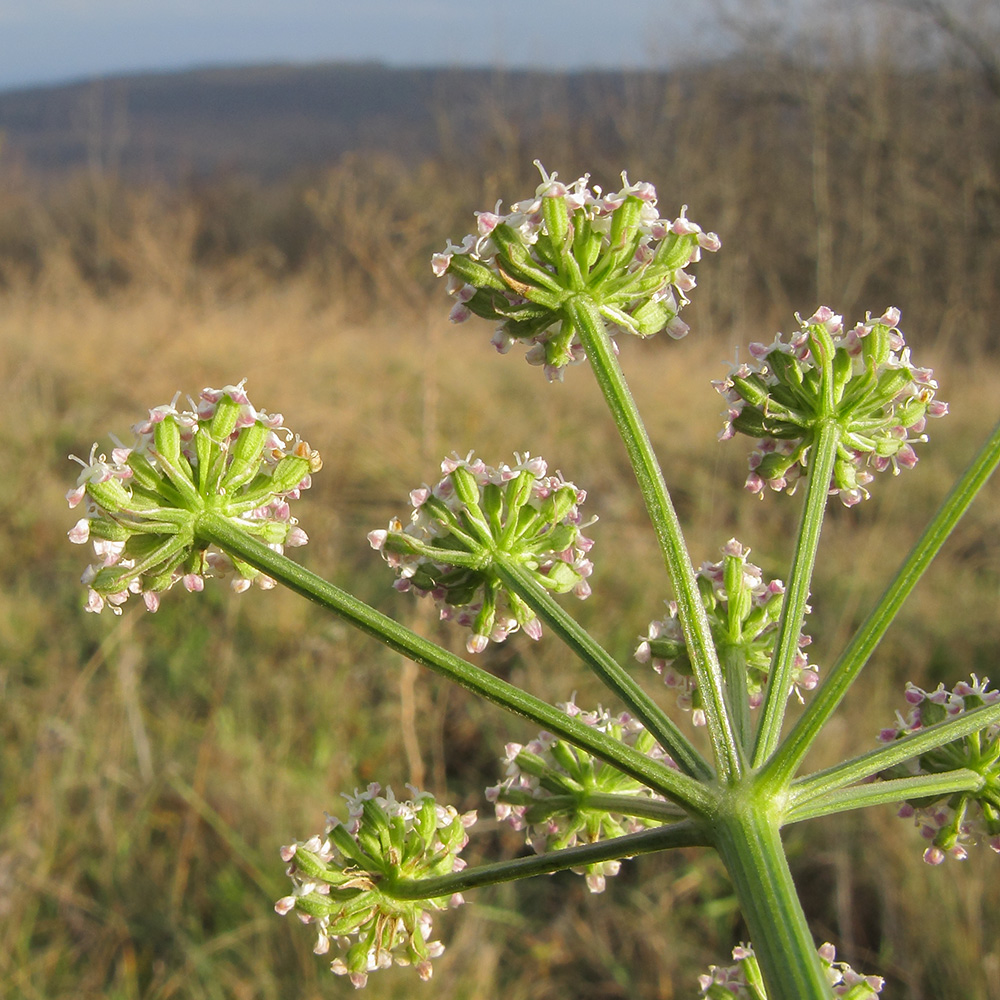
573	241
356	863
862	379
142	506
475	516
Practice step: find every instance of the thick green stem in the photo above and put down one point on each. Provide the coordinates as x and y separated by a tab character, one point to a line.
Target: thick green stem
747	839
606	667
786	762
822	454
234	541
691	609
684	834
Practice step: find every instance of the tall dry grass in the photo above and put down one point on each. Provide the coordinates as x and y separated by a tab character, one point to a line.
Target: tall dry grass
151	766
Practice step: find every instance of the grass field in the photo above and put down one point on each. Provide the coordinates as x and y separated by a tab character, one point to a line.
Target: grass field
152	765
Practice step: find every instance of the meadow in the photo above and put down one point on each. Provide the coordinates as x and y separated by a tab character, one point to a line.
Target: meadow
151	766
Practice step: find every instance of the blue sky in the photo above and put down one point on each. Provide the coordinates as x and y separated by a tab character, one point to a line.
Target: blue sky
48	41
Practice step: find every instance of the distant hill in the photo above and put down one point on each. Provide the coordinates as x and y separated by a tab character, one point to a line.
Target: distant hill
271	120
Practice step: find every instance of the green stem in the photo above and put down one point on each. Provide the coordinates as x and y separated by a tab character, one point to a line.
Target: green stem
749	844
734	669
610	802
685	834
823	452
691	609
882	792
602	663
851	662
235	542
897	752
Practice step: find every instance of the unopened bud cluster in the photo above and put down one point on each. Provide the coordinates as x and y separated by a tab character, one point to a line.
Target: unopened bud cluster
743	981
743	611
953	823
521	269
475	516
341	880
861	378
547	785
141	506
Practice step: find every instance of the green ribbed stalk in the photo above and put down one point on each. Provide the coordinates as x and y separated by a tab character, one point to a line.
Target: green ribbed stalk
234	541
905	748
852	661
690	607
683	834
823	452
614	676
734	669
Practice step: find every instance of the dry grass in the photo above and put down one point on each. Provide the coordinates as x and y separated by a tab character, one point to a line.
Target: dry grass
152	765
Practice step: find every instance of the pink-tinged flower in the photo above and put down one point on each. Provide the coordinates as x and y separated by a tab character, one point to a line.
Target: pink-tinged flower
953	823
862	378
457	527
522	268
141	504
540	776
335	880
741	981
743	611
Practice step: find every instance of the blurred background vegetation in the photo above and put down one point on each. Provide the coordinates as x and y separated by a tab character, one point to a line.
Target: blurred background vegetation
151	766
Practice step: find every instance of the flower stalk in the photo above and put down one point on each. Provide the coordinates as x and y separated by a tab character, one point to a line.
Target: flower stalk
852	661
670	783
728	758
793	611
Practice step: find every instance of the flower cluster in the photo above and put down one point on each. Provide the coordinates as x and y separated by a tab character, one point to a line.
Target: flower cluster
744	982
521	269
342	880
477	516
953	823
141	505
862	378
559	795
743	611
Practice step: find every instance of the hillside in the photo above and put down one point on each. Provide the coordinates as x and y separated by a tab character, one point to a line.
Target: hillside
270	120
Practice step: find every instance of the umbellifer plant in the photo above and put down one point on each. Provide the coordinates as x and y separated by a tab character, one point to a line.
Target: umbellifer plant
207	491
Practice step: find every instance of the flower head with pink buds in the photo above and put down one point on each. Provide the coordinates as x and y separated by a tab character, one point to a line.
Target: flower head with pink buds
743	980
340	880
561	796
521	269
743	611
476	517
141	506
953	823
861	378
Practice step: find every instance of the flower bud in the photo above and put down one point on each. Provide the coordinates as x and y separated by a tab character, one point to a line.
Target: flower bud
743	611
341	880
142	507
953	823
539	778
861	378
743	981
478	514
571	240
